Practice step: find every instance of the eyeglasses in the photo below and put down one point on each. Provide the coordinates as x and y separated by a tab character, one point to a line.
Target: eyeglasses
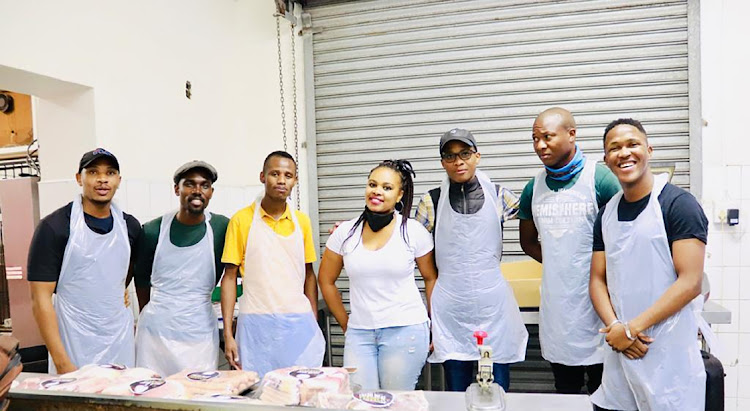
451	157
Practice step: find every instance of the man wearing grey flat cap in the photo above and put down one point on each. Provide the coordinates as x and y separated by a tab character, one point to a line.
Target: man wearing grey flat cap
178	266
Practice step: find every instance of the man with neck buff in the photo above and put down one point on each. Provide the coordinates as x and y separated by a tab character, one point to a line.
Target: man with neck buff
646	270
559	206
270	244
466	215
82	253
178	266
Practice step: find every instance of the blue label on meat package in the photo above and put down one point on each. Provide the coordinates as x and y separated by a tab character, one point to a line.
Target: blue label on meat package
375	398
306	373
203	375
54	382
144	386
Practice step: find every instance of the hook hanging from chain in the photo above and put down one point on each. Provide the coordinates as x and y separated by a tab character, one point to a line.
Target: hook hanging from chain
294	96
281	81
294	109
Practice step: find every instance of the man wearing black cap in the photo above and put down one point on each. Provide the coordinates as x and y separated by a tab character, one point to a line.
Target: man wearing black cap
82	253
470	294
178	266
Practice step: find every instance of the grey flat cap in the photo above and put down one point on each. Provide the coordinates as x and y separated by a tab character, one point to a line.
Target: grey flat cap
193	165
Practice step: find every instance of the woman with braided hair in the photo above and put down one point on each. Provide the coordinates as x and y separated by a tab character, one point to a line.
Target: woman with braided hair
387	333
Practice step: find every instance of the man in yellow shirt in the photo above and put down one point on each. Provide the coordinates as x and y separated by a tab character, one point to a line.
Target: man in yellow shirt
272	247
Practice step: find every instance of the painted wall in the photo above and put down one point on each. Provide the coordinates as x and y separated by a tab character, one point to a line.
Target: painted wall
125	65
726	173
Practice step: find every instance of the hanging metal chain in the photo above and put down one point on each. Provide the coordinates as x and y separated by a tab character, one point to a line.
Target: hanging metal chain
281	81
294	108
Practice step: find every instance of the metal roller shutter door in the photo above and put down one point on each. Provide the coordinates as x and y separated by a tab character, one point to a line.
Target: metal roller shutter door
390	76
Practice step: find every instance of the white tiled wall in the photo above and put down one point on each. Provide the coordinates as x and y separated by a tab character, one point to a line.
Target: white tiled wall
726	181
728	267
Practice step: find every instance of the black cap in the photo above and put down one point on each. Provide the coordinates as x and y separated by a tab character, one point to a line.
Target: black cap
93	155
458	134
193	165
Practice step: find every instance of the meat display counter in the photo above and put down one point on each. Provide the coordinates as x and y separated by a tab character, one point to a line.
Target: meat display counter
34	400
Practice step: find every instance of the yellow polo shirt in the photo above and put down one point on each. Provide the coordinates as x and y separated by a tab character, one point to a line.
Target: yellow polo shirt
239	228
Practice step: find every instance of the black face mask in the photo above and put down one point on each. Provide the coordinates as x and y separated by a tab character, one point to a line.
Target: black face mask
377	221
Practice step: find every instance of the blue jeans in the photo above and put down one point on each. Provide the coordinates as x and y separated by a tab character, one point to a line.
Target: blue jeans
460	374
388	358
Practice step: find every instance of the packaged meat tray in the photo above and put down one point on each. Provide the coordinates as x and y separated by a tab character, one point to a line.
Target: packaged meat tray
301	386
201	383
91	379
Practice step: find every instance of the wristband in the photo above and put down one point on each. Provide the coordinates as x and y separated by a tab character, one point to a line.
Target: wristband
615	321
627	332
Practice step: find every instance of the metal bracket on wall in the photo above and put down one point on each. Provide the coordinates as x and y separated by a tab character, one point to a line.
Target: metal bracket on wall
307	25
285	9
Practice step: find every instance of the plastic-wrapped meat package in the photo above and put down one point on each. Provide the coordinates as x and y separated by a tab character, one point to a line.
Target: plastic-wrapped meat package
90	378
151	387
108	371
139	374
301	386
215	382
50	383
146	383
375	400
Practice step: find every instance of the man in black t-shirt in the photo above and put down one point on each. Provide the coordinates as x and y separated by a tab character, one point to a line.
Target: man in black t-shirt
646	269
81	252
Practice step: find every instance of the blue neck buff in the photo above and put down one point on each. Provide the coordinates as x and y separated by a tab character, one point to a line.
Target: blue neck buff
567	172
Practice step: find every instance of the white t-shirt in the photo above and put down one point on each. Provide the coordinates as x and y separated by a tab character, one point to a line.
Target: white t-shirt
382	289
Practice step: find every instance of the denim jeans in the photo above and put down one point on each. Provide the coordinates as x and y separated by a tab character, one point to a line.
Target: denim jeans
460	374
387	358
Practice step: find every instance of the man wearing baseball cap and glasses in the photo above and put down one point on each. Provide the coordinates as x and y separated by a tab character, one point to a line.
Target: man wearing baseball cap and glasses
178	266
466	215
81	252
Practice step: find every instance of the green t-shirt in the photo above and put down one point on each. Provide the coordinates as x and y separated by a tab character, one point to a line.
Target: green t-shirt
606	185
180	235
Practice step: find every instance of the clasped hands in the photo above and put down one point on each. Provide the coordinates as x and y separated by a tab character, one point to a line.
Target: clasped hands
619	341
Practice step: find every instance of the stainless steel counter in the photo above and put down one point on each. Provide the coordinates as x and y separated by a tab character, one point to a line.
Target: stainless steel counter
454	401
439	401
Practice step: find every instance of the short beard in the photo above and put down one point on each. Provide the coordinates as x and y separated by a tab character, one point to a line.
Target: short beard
195	211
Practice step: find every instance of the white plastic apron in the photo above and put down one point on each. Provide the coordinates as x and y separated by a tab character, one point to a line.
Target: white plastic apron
568	325
470	293
671	376
276	327
95	326
178	328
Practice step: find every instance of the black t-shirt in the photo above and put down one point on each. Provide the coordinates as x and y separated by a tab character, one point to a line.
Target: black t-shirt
51	237
683	216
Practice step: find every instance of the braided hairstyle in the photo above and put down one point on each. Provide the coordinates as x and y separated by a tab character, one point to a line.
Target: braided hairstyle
405	170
